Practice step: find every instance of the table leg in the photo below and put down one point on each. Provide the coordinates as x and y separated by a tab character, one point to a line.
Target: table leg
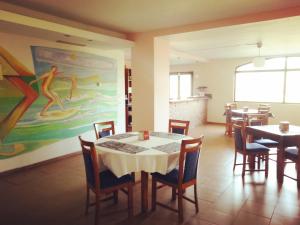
280	162
144	191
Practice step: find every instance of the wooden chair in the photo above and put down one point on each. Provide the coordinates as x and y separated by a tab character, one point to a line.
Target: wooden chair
103	129
264	108
104	182
181	178
251	150
106	129
260	120
179	126
292	154
230	119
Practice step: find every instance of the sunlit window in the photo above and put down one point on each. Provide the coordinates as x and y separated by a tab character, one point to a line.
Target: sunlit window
292	93
277	81
180	85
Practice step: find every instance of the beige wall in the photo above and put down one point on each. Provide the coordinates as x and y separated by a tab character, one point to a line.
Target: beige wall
19	47
218	76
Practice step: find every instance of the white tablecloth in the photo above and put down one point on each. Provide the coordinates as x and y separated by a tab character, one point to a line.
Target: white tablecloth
148	160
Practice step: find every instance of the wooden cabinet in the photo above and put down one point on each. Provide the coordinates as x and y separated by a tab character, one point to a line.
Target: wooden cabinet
128	99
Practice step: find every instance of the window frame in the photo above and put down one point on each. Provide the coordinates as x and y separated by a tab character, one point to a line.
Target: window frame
191	73
285	70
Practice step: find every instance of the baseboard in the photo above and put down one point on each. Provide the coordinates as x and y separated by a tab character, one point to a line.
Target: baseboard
16	170
215	123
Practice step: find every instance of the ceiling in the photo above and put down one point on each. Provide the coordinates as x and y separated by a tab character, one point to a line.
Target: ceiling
144	15
279	37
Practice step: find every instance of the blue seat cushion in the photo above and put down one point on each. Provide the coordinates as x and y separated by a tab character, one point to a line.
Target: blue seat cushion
171	177
254	147
178	130
104	133
108	179
292	152
266	142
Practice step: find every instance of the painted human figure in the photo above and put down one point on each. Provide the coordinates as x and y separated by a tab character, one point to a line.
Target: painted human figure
53	97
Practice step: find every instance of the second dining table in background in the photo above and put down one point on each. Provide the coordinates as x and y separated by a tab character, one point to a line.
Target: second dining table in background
125	153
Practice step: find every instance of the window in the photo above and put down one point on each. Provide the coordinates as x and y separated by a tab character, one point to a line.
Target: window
180	85
277	81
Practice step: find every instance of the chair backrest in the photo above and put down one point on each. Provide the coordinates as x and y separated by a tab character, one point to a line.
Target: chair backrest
103	129
257	119
91	163
188	159
264	108
179	126
239	137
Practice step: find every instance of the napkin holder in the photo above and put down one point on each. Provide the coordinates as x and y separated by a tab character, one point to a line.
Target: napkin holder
144	135
284	126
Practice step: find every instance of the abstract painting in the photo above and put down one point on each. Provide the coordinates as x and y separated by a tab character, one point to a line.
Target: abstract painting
68	91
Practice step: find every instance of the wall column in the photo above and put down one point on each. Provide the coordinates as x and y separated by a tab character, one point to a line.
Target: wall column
150	83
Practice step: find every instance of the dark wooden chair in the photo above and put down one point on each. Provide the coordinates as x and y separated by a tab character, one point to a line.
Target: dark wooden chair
260	120
251	150
181	178
291	154
179	126
104	182
103	129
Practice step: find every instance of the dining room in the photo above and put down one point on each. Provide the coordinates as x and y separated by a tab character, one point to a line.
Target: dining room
114	117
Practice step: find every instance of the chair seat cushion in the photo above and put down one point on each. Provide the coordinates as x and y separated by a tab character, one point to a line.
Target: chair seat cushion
171	177
254	147
266	142
108	179
292	153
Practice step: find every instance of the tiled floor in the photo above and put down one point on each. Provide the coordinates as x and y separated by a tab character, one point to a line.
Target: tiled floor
55	194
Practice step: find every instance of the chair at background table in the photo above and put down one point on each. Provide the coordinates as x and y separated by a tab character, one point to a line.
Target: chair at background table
179	126
264	108
103	129
260	120
104	182
292	154
181	178
230	119
251	150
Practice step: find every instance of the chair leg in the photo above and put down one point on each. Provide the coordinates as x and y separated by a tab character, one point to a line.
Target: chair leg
154	190
266	165
87	200
244	165
116	197
298	174
234	163
130	201
196	198
97	208
173	193
180	206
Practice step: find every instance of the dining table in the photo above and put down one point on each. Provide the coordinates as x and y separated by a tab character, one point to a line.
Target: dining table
241	114
288	138
127	152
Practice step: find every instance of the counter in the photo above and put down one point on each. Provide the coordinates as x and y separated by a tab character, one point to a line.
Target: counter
192	109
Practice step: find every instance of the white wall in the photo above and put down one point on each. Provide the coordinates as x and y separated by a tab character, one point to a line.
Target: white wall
218	76
19	47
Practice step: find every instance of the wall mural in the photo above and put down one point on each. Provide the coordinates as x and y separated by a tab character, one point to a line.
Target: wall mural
66	94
